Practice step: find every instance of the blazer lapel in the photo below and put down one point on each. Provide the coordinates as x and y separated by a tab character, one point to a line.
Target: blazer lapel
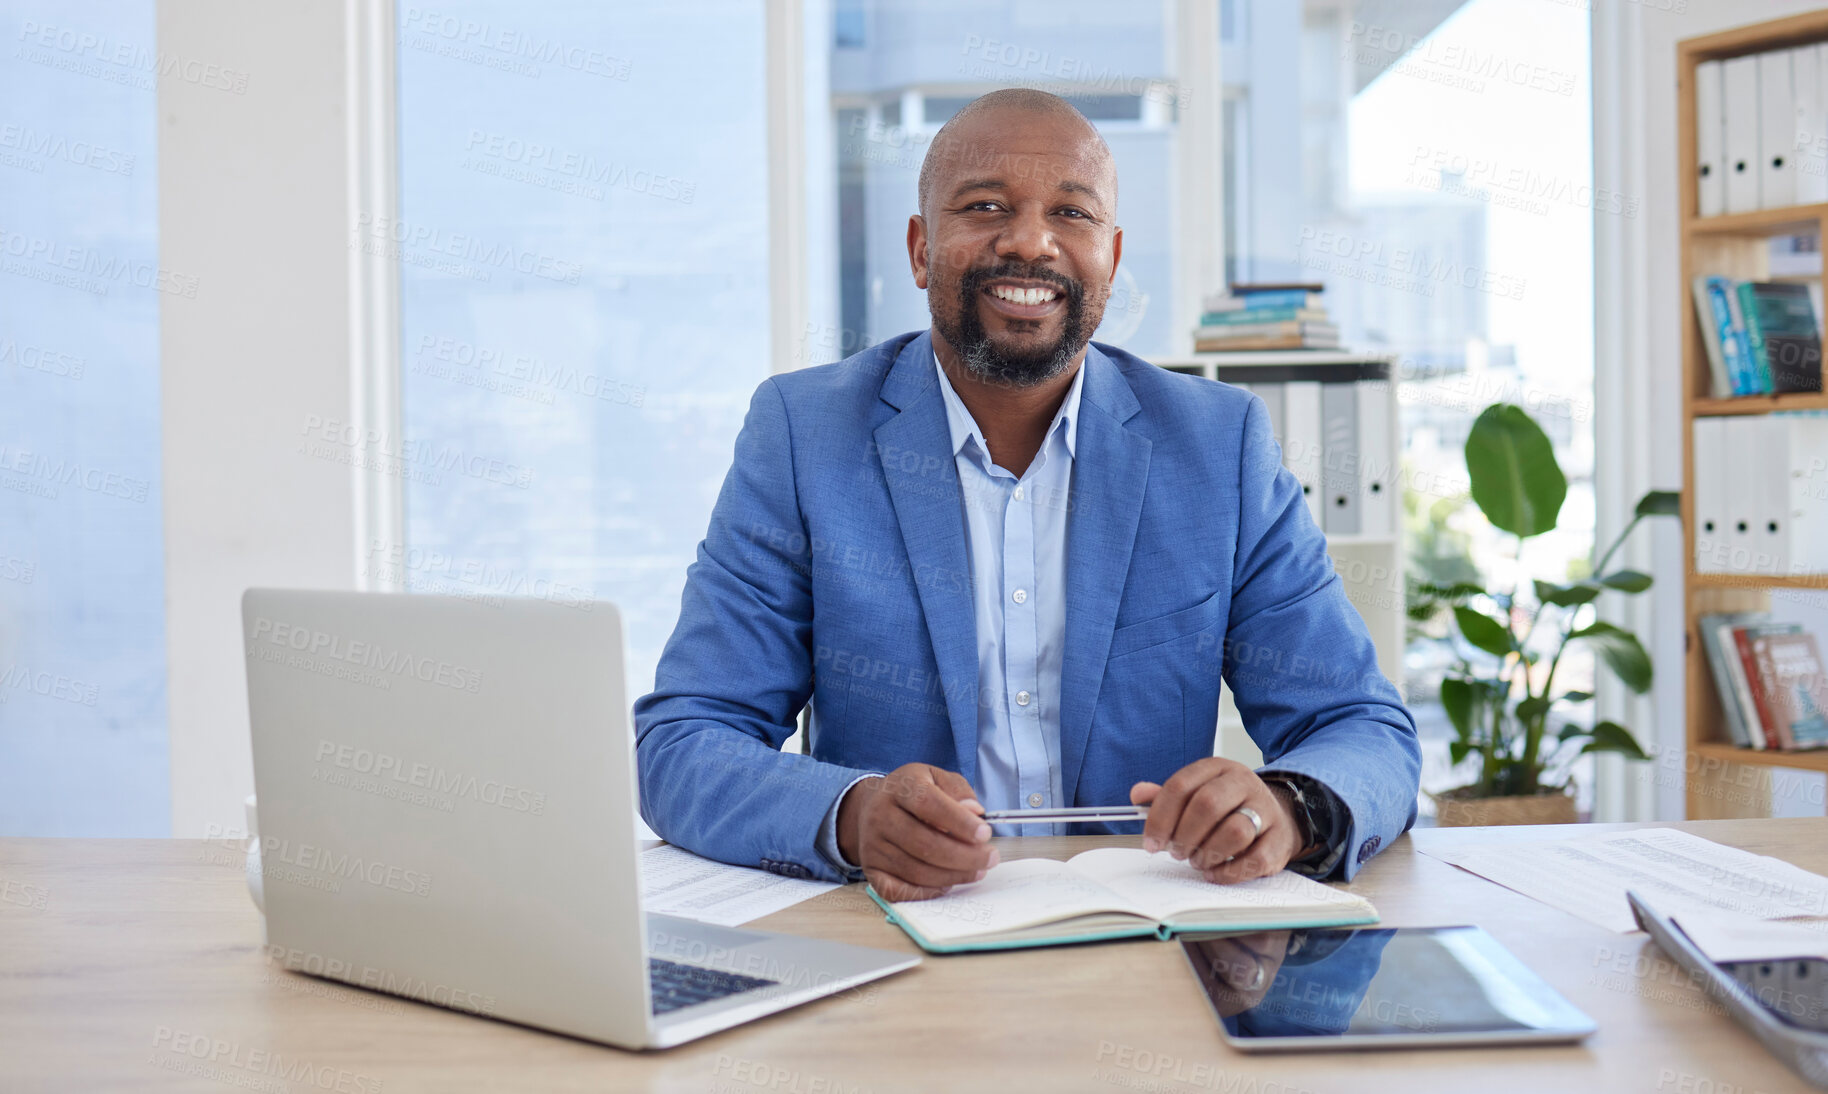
1110	471
915	449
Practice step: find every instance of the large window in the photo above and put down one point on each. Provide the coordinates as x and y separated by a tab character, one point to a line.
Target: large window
82	623
583	235
584	238
1431	163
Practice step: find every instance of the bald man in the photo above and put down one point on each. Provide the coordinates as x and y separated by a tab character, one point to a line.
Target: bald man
1008	567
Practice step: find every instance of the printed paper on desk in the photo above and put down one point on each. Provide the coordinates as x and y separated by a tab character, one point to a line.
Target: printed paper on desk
1588	876
674	881
1729	936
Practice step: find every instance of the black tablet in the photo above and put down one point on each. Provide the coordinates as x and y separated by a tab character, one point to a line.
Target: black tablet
1405	987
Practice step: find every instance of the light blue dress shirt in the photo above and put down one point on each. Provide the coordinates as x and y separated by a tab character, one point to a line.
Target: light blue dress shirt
1015	531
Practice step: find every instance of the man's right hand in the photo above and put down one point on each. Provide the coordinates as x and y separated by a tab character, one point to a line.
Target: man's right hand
915	832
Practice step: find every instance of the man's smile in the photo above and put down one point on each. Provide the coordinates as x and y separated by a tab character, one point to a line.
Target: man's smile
1021	299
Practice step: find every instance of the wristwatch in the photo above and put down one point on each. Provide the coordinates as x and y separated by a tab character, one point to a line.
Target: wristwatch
1315	834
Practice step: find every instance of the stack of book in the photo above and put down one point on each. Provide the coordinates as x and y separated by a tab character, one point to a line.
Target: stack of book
1286	315
1761	337
1770	680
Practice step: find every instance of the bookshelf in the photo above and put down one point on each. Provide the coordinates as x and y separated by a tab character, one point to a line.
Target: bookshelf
1370	566
1716	778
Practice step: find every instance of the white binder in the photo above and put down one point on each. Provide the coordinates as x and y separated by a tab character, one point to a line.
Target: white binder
1776	130
1807	492
1769	487
1739	448
1709	489
1341	454
1739	101
1301	442
1377	463
1806	130
1710	141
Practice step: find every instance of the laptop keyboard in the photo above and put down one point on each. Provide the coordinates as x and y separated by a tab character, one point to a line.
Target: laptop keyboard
674	985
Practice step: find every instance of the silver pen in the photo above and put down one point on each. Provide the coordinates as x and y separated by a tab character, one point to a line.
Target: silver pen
1069	815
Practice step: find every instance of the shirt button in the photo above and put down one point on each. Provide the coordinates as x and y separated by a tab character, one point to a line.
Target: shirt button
1018	493
1022	698
1020	596
1035	800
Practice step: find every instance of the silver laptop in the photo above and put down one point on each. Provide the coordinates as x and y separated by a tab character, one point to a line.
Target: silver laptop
446	795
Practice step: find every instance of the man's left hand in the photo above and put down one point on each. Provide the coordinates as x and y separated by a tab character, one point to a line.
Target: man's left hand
1194	816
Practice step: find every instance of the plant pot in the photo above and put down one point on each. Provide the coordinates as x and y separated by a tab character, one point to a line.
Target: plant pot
1455	809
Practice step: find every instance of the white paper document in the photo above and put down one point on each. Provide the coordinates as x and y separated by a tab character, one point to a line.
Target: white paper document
677	882
1673	870
1729	936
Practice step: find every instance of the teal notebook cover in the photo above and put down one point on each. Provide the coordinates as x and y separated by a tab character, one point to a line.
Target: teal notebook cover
1161	931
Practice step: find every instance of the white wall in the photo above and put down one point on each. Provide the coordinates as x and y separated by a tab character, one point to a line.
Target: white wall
252	199
1640	308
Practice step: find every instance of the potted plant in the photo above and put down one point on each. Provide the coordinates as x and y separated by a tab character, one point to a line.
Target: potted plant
1500	691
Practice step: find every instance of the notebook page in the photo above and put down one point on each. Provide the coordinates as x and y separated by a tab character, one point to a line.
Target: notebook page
1166	888
1013	895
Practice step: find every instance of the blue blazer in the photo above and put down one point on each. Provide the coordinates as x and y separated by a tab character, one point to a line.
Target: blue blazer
835	570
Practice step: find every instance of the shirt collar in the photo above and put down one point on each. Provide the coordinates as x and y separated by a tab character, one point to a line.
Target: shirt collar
964	427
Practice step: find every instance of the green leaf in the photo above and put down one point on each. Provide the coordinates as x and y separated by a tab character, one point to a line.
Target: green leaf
1626	581
1621	651
1458	591
1612	737
1532	708
1571	730
1511	467
1660	503
1458	750
1483	631
1459	700
1574	697
1567	596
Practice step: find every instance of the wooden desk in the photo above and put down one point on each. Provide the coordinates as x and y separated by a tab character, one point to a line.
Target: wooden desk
114	951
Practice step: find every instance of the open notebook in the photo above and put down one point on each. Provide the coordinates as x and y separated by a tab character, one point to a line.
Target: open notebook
1114	892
